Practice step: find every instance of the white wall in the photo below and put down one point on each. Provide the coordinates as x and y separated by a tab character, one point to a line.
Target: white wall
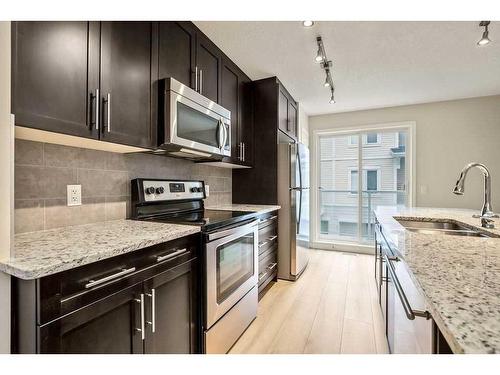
448	135
303	126
6	181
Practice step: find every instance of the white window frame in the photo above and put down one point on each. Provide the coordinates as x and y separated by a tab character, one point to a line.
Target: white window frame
348	130
352	144
365	178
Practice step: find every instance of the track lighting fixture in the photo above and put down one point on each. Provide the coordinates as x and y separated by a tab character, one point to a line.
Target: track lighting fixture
308	23
485	39
332	98
327	65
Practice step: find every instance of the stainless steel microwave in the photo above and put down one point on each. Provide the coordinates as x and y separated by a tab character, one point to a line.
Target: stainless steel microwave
191	125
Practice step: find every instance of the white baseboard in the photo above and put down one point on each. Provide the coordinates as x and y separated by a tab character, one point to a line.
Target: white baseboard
347	247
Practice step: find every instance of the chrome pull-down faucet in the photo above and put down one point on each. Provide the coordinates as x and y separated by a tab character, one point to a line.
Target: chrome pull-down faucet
486	211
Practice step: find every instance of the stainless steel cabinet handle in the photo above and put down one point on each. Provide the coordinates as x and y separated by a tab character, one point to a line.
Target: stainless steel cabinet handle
201	81
196	79
262	243
268	219
240	151
410	313
272	266
262	275
97	114
163	258
123	272
108	108
142	330
272	238
243	143
152	295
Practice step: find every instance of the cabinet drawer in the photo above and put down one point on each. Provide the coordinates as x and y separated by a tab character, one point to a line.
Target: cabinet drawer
268	219
67	291
268	237
267	266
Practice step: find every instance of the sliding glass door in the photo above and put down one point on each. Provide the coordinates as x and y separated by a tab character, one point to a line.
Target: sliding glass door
359	171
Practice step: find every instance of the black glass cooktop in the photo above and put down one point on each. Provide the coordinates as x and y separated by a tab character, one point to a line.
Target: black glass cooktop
207	219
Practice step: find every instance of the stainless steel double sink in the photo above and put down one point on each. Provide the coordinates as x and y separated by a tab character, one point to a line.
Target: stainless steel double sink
442	227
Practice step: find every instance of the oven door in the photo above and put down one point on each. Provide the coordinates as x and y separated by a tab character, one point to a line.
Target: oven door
199	127
231	268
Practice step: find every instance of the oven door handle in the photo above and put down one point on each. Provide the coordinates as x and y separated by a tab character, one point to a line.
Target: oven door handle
410	313
243	229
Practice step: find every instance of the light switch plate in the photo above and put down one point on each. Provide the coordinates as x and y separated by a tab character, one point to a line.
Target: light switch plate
207	190
74	195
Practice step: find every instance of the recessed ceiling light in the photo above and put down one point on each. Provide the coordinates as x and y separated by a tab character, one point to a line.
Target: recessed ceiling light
484	39
308	23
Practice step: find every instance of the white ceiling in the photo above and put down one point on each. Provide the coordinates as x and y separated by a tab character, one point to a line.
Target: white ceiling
376	64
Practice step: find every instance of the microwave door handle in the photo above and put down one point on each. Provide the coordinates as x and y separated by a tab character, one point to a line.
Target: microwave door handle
226	134
220	133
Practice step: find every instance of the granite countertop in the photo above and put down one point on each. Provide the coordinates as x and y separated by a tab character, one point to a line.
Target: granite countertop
459	276
258	208
43	253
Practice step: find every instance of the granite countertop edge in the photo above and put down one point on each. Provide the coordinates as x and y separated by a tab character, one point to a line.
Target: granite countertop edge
31	256
445	323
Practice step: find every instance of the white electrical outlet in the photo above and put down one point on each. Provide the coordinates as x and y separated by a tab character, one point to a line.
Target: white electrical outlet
207	190
74	195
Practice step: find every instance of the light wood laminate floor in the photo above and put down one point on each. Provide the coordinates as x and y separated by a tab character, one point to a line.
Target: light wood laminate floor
332	308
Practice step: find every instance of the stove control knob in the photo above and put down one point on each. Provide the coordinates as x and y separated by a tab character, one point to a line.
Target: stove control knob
193	190
199	190
150	190
160	190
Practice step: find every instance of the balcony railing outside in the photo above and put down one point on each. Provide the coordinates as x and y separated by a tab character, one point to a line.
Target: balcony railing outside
339	211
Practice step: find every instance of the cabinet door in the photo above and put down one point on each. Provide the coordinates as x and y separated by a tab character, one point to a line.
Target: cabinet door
55	74
109	326
230	93
127	73
245	126
177	45
208	61
283	112
292	118
172	311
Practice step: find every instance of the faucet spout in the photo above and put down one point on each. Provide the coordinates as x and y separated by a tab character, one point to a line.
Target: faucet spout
486	210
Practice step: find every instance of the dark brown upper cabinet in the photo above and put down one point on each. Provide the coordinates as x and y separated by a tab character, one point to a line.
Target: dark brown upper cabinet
274	120
55	75
128	72
287	112
177	52
88	79
208	67
236	96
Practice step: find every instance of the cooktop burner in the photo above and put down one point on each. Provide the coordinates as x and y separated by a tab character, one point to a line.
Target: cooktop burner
207	219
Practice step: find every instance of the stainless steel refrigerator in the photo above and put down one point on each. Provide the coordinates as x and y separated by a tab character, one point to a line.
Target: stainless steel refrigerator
293	197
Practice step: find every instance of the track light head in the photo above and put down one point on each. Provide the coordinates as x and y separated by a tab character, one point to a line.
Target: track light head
332	97
485	38
319	56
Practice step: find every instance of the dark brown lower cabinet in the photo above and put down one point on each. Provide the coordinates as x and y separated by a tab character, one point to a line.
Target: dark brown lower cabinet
107	326
147	301
172	328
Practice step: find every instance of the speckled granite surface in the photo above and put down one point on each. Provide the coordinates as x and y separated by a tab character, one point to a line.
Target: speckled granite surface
459	276
43	253
259	208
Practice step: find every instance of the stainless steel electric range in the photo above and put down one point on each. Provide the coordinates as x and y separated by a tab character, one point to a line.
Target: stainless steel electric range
230	241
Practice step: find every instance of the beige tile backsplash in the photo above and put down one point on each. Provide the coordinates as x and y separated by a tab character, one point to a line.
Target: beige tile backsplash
43	170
